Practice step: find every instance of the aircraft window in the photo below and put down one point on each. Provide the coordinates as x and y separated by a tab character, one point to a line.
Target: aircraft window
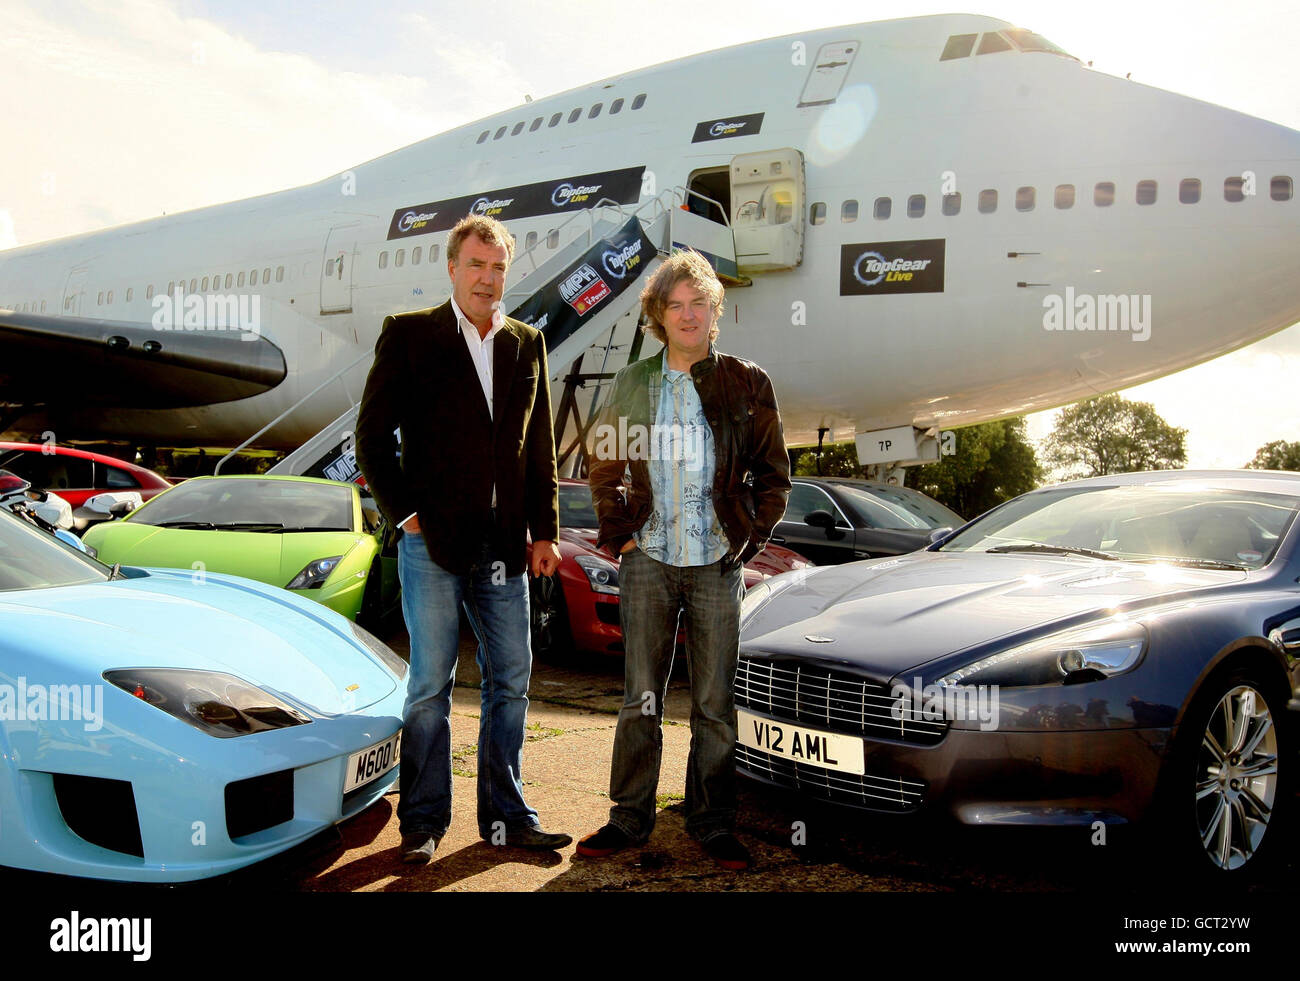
988	201
1029	41
639	101
1025	198
1146	192
240	281
594	111
172	285
616	106
1233	189
194	285
1064	196
67	303
230	280
110	297
433	253
883	208
100	301
279	274
216	281
993	42
1103	195
266	275
1279	189
415	255
575	115
916	206
553	238
252	277
482	137
952	203
129	291
499	133
204	287
530	240
554	120
42	306
519	128
818	213
536	125
399	260
383	260
958	46
849	211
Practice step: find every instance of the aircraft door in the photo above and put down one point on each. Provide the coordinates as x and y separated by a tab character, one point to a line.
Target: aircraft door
74	291
827	75
336	269
767	209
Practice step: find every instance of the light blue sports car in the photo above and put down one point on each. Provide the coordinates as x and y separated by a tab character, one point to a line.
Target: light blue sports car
165	725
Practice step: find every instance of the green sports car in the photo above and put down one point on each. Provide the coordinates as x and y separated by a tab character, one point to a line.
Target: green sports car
321	537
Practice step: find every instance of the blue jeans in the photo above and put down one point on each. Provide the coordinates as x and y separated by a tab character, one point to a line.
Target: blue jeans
651	597
497	606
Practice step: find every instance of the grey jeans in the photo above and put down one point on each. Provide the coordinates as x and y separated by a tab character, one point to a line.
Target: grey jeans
651	597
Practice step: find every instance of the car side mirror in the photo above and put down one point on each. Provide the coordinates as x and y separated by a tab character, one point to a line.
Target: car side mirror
820	519
940	535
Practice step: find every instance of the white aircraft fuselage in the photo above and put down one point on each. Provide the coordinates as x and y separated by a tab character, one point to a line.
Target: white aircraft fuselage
990	317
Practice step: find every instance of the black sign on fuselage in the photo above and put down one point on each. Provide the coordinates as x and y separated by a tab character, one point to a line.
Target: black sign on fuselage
523	201
871	268
601	273
727	126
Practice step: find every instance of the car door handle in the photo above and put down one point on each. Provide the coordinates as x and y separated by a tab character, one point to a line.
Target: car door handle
777	540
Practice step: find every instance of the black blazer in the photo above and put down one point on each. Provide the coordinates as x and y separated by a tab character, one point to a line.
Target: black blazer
424	381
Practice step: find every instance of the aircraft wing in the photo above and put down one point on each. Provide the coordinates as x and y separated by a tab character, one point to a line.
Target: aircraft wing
84	361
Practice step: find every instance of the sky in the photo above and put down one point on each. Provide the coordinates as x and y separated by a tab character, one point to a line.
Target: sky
118	110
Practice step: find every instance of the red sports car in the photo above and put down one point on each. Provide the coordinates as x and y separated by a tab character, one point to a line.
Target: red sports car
577	608
77	475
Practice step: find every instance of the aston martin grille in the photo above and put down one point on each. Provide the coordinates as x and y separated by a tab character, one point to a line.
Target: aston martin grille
830	699
875	791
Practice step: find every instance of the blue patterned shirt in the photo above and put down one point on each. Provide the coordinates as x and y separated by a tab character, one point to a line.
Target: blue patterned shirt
683	527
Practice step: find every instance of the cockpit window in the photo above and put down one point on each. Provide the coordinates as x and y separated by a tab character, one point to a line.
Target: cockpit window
1029	41
993	42
958	46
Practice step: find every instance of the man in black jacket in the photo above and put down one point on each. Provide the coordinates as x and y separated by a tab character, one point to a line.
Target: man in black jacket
474	472
699	435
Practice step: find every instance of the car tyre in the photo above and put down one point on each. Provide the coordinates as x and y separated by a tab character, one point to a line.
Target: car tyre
1229	782
548	620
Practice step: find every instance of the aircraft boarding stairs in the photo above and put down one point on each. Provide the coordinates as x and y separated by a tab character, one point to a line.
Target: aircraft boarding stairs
584	297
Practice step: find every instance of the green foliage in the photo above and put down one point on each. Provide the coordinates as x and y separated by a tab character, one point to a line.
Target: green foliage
994	462
1277	455
1109	434
838	460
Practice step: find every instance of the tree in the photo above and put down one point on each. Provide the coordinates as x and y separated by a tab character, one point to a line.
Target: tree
1277	455
1109	434
838	460
994	462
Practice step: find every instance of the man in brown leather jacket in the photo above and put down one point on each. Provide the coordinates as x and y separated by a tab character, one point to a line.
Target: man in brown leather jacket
689	474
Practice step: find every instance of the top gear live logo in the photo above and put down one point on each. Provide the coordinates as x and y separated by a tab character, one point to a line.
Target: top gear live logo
871	268
619	263
567	194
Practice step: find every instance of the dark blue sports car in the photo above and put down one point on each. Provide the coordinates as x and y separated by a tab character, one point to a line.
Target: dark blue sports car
1114	649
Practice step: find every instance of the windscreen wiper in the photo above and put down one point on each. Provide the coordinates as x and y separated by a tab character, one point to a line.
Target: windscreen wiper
1054	549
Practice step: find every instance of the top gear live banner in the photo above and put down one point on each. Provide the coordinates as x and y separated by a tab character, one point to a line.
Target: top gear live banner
588	284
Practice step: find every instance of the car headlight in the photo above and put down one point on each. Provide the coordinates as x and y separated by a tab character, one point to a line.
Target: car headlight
755	596
601	573
219	704
381	650
315	573
1089	654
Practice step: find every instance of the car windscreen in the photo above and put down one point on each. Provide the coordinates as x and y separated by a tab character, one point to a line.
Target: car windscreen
251	503
31	559
576	508
1190	522
899	507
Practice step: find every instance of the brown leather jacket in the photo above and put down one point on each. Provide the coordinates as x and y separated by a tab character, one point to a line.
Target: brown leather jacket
752	473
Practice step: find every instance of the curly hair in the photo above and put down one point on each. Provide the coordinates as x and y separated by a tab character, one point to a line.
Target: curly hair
489	230
685	266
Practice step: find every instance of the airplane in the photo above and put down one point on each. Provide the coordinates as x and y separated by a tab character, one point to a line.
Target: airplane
923	223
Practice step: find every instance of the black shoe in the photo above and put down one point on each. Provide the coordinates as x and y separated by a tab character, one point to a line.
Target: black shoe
606	841
727	851
418	847
535	839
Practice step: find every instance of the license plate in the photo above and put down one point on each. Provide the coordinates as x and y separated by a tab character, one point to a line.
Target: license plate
828	750
373	762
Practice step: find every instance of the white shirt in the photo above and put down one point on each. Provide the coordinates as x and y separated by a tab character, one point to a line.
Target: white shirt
480	352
